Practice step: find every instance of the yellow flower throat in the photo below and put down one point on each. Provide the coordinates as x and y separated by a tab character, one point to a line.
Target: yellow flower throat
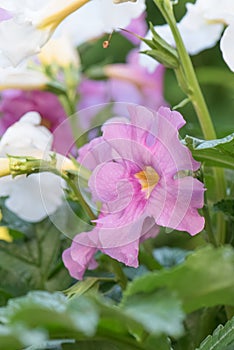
148	179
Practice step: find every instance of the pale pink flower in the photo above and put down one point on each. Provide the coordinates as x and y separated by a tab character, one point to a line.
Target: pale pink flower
127	82
142	175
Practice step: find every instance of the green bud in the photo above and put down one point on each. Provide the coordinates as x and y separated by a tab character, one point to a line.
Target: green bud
161	50
29	165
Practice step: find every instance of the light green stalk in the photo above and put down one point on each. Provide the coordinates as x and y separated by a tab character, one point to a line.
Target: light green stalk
196	97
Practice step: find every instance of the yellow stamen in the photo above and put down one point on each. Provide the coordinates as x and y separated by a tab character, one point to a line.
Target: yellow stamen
4	235
148	178
63	9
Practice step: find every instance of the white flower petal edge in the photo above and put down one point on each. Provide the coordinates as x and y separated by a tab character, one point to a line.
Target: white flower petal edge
37	196
227	47
32	198
33	23
105	17
22	78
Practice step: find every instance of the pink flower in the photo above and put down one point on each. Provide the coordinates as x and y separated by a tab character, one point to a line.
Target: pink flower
142	175
128	83
138	26
15	103
132	83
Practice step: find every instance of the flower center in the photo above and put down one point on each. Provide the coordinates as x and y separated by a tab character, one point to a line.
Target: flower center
148	178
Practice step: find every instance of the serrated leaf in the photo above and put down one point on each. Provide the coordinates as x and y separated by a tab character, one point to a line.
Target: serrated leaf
221	339
218	152
205	279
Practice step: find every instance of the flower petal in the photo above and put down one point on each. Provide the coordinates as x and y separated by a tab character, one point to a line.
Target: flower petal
226	45
43	190
174	204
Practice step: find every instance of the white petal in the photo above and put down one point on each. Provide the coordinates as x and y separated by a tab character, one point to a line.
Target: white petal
104	16
32	198
59	51
227	47
25	79
26	134
117	16
217	10
198	33
20	40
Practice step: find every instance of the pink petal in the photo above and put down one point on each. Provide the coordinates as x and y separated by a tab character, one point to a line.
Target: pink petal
105	179
95	152
122	243
174	204
80	256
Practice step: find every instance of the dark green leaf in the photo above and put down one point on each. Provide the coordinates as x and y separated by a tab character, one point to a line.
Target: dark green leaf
34	263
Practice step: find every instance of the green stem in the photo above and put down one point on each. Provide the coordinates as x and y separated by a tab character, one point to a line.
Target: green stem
117	270
208	225
70	110
80	198
195	95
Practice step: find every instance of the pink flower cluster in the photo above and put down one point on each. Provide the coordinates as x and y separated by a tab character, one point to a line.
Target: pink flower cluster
142	175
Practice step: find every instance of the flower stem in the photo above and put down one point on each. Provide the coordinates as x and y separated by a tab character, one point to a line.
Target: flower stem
208	225
28	165
195	95
116	268
80	198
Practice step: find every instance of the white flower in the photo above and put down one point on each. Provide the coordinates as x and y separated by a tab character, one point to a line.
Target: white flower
98	17
33	22
22	78
59	51
201	28
30	26
227	47
34	197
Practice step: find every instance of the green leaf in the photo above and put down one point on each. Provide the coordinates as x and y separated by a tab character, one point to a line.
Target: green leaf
19	336
34	263
82	287
53	312
87	320
215	76
51	344
99	345
218	152
205	279
159	312
226	206
221	339
169	257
